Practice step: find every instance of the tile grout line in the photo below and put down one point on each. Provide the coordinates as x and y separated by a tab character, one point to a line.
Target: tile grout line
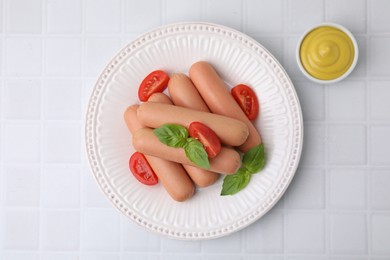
163	21
123	43
203	16
327	216
309	122
2	126
252	33
42	128
82	74
368	134
75	77
243	29
285	50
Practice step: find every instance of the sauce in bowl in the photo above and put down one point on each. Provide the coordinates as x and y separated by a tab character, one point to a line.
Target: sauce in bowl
327	53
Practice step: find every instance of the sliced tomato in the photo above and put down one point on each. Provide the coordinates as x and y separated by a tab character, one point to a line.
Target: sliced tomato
207	137
141	169
157	81
247	100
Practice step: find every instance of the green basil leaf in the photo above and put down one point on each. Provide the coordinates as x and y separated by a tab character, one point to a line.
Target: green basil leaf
236	182
196	153
254	159
172	135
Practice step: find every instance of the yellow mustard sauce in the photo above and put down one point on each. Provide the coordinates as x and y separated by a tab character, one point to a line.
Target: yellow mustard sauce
326	53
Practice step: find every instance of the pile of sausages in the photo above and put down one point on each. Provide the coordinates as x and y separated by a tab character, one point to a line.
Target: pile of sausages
202	97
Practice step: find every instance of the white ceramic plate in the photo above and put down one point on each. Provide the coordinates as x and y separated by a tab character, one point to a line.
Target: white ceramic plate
173	48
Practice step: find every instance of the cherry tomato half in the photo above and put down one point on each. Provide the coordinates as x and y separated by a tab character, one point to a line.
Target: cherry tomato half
207	137
157	81
247	100
141	169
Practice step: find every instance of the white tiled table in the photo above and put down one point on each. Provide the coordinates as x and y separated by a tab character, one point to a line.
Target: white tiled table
51	51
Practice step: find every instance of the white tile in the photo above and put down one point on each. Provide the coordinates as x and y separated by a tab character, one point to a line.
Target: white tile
100	230
313	145
348	233
60	230
379	104
136	11
290	59
347	144
222	256
176	257
22	99
1	49
379	16
92	196
264	16
378	54
347	101
379	187
279	204
148	256
62	143
265	235
350	258
1	95
1	12
380	143
305	233
303	14
227	244
59	256
273	45
1	142
178	246
63	99
179	11
23	56
303	257
98	53
20	256
58	13
87	87
61	186
347	188
312	100
22	187
225	12
307	189
23	16
103	16
340	12
63	56
262	257
380	228
99	256
21	230
138	239
22	142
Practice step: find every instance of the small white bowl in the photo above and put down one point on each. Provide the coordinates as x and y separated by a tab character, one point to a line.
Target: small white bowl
355	59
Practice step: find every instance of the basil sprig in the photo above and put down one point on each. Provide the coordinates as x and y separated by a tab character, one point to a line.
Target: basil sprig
177	136
252	162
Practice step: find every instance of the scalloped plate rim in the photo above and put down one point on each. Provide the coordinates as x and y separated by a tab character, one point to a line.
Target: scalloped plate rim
133	215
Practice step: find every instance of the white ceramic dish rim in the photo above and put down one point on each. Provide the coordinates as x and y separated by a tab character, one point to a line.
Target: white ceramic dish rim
90	133
354	62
